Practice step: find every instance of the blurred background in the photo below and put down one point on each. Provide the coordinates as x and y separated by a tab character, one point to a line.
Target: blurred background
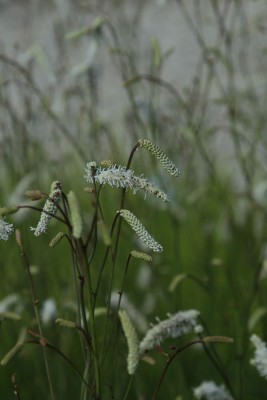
83	81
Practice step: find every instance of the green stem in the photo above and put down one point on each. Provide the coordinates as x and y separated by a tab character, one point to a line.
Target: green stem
88	280
35	303
128	387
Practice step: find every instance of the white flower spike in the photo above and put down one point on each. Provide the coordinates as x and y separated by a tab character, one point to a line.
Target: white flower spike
49	209
140	230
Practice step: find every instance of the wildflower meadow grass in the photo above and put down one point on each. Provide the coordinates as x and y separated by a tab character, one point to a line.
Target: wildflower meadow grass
133	259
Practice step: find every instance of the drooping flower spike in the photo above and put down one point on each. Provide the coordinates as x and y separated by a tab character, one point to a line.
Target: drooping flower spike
161	156
140	230
132	342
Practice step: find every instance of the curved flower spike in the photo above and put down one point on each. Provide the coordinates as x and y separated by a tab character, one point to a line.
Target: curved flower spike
161	156
140	230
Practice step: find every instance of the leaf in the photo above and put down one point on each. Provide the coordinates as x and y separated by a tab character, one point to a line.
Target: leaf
97	23
156	54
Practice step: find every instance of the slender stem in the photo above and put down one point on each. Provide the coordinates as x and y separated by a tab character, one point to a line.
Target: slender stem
35	303
118	305
168	363
88	280
41	210
51	347
128	387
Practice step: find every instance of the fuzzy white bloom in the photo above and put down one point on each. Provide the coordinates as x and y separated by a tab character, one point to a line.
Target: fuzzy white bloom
119	177
140	230
210	391
48	311
260	355
49	209
6	229
176	325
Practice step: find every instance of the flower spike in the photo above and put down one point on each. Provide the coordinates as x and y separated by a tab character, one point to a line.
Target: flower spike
132	342
161	156
140	230
49	209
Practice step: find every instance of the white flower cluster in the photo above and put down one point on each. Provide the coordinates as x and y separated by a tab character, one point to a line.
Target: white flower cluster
210	391
119	177
260	355
140	230
49	209
176	325
5	229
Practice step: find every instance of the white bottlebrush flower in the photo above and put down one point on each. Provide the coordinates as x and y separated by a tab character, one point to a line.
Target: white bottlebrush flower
140	230
260	355
6	229
176	325
132	342
49	209
119	177
210	391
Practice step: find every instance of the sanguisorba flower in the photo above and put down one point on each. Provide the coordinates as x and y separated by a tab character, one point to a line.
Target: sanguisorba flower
260	355
75	214
160	156
174	326
6	229
132	342
209	390
140	230
119	177
50	208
